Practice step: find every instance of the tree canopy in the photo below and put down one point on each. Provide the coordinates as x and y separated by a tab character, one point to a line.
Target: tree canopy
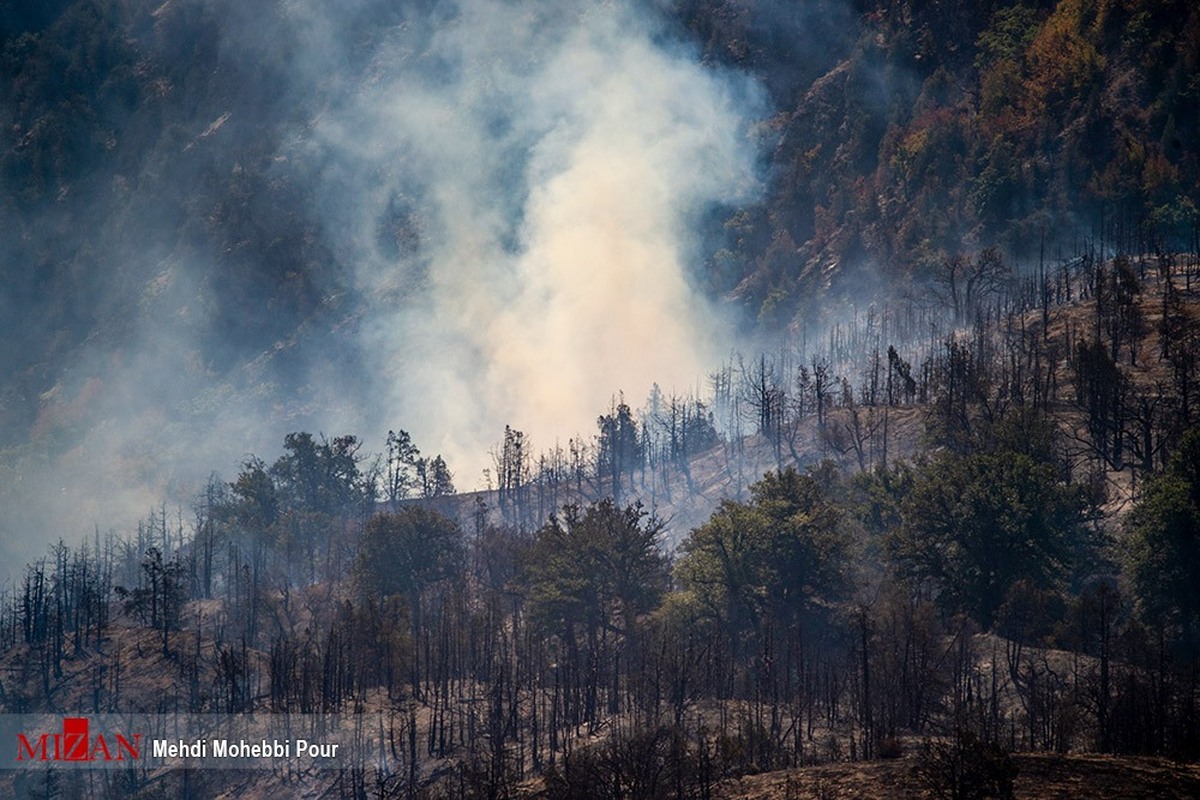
974	525
599	566
402	552
782	553
1164	545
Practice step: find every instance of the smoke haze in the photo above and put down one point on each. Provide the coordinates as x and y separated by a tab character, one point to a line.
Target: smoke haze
560	173
505	201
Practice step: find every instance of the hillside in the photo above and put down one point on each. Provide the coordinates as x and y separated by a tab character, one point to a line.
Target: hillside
226	197
909	132
1038	777
981	579
665	400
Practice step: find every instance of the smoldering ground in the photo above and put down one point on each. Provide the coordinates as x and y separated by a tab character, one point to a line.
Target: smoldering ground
476	214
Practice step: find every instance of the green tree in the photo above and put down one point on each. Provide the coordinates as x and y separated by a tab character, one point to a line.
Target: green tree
588	576
402	457
782	554
413	555
974	525
599	566
319	487
255	500
876	498
434	477
1163	557
321	476
403	552
619	449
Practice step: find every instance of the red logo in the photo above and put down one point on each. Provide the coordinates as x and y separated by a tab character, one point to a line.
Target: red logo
75	743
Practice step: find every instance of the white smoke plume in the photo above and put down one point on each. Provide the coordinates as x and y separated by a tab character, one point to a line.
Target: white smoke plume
505	199
563	153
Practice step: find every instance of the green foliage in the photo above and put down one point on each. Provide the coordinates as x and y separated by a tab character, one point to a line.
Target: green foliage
1176	220
599	566
620	447
974	525
1021	430
1059	112
995	190
1008	35
295	506
434	478
770	560
1163	556
403	552
1029	614
321	476
401	460
878	496
255	501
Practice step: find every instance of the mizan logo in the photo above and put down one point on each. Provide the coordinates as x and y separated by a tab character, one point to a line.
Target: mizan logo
75	743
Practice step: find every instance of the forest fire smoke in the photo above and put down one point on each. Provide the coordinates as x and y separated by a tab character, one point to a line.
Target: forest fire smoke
442	217
563	167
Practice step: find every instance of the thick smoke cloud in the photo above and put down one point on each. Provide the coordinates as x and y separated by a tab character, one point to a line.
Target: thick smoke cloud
507	197
560	157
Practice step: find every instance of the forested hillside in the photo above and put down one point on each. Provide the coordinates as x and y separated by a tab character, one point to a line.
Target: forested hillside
672	400
1003	562
897	134
265	204
909	132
